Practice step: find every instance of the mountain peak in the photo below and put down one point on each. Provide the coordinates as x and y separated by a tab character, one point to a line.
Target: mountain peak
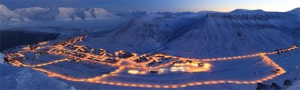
56	13
6	15
3	8
1	5
247	11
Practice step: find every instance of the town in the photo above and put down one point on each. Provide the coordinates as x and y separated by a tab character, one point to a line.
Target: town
132	63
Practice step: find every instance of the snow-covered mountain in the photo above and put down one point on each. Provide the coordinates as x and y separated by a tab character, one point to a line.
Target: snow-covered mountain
226	34
7	15
64	13
167	32
147	32
295	11
53	14
34	13
247	11
93	13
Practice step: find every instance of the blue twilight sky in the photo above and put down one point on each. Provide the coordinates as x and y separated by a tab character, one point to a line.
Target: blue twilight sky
160	5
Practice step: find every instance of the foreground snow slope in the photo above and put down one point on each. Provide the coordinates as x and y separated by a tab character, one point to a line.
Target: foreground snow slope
14	78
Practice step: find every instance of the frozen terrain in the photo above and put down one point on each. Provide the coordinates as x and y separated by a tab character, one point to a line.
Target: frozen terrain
187	34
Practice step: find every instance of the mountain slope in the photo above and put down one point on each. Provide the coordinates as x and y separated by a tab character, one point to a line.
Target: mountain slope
295	11
144	33
226	34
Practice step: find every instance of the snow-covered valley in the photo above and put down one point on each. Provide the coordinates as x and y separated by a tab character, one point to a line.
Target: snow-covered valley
199	35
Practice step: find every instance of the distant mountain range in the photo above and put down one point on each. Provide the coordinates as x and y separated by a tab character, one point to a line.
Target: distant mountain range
70	14
7	15
57	14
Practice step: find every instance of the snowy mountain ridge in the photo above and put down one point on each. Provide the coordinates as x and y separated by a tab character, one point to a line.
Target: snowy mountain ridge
247	11
8	15
55	14
75	14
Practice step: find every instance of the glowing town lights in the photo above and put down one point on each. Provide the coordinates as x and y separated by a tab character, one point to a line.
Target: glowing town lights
195	66
42	43
135	64
133	71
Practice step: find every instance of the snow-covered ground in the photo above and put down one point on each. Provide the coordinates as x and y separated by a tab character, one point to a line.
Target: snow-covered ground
18	78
